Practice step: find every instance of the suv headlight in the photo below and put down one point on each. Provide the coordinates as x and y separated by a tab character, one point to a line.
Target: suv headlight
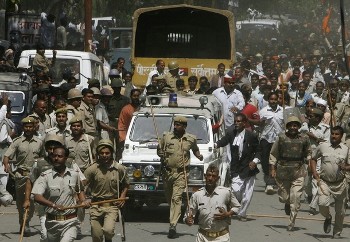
196	173
130	170
148	171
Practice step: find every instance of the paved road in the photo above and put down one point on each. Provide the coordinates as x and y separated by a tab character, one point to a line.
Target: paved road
267	222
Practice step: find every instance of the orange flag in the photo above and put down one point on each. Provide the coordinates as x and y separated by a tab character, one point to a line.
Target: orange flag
325	27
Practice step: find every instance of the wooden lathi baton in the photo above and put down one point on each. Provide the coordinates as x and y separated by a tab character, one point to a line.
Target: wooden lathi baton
97	203
23	224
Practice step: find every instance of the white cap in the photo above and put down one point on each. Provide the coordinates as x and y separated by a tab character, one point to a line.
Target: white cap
322	102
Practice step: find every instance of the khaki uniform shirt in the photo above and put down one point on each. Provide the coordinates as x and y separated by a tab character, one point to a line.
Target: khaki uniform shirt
25	151
209	204
331	157
43	165
72	111
175	152
103	181
59	190
171	80
43	124
89	121
79	150
66	133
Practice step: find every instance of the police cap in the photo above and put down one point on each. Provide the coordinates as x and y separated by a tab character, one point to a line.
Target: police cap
116	82
173	65
180	119
103	143
61	110
317	112
28	120
93	82
75	119
293	119
95	90
106	92
74	93
54	138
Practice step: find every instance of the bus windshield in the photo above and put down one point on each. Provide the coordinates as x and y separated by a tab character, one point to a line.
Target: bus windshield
183	33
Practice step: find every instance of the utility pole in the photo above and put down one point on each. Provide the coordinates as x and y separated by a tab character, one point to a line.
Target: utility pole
88	25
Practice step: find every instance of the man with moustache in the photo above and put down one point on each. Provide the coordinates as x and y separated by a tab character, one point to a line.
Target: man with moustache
107	180
174	150
331	179
61	128
26	148
216	205
288	155
245	156
56	189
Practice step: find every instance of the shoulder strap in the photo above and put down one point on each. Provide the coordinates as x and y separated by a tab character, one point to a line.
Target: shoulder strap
90	153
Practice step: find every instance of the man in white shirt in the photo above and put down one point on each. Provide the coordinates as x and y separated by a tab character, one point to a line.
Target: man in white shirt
232	100
160	66
271	118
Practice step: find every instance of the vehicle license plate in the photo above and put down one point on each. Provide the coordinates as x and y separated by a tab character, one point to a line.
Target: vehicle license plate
140	187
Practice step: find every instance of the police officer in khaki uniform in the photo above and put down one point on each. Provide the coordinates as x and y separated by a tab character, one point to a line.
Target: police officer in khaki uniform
107	180
335	162
57	188
26	148
80	144
318	132
174	149
61	129
215	211
42	165
287	159
87	111
173	75
74	100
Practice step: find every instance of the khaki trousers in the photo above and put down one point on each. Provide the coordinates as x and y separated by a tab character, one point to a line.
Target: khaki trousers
62	231
174	186
339	191
20	185
103	221
290	191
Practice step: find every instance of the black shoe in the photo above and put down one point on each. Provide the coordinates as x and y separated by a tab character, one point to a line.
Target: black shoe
108	240
327	225
287	208
172	232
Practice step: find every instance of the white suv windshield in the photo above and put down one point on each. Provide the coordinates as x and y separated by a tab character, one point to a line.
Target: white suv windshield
143	129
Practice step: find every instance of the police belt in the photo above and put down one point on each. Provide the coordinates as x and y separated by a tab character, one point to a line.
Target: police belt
50	216
213	234
288	162
176	169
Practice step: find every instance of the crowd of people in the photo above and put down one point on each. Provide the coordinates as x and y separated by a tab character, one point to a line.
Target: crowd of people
286	110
